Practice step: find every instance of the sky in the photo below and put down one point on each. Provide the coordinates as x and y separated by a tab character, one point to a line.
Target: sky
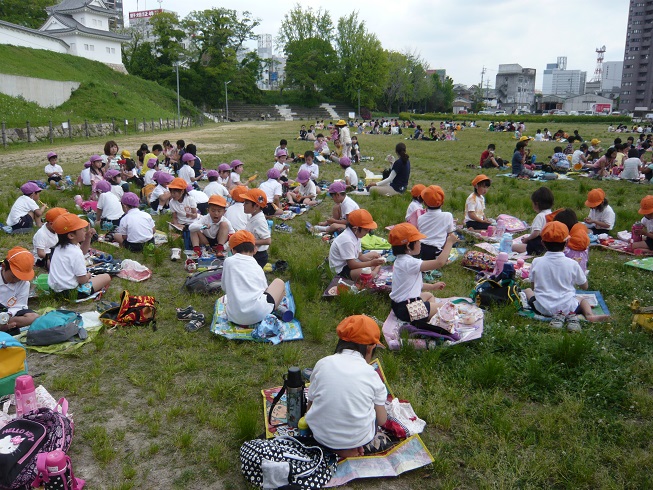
461	36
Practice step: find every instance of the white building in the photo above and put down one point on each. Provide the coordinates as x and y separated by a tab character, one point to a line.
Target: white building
557	80
274	67
611	76
515	87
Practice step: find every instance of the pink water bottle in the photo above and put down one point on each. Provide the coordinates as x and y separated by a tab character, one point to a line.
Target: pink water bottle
636	232
25	395
501	227
502	258
56	473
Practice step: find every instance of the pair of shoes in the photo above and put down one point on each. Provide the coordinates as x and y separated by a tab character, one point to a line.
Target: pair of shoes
283	227
280	266
558	321
573	324
309	227
175	254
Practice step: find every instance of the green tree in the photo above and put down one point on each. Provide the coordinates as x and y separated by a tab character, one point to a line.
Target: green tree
169	35
397	85
308	66
300	25
29	13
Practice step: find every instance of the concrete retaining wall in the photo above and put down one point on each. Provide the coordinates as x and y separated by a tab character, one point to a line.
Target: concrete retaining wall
46	93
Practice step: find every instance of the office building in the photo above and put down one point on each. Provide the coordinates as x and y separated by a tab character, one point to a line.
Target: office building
636	79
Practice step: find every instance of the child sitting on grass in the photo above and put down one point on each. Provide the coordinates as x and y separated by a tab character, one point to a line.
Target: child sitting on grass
282	164
45	238
416	204
115	179
224	175
236	171
555	278
153	167
310	166
182	206
273	191
16	272
542	200
67	267
351	178
475	204
341	209
109	211
159	198
213	229
434	224
255	201
343	416
407	285
25	212
236	211
249	298
305	193
601	218
53	170
215	188
646	209
345	256
136	228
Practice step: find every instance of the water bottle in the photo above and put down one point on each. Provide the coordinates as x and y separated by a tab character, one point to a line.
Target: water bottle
4	318
69	181
636	232
365	279
294	396
506	243
283	313
502	258
501	227
25	395
361	185
58	473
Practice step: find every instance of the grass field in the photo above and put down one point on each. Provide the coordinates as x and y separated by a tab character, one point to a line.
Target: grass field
523	407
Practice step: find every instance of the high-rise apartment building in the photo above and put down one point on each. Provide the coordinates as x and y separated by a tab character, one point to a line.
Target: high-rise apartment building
636	79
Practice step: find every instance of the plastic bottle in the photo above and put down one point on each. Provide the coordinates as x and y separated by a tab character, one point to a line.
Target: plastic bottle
502	258
506	243
636	232
365	279
69	181
501	227
4	318
294	396
361	185
25	395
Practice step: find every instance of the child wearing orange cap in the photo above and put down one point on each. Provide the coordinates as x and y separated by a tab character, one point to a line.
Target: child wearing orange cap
601	218
646	209
346	258
407	285
182	206
434	224
236	211
555	278
249	298
45	238
213	229
416	204
578	245
254	202
343	415
475	204
16	272
67	266
542	200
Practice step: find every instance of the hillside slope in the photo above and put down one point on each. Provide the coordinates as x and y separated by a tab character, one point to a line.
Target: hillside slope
103	93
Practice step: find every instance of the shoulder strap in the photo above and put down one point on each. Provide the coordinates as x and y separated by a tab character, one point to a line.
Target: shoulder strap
42	475
276	400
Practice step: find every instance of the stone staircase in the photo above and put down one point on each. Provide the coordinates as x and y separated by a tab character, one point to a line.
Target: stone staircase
239	111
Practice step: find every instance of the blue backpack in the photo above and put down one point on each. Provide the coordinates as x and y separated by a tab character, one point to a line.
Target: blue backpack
54	327
13	362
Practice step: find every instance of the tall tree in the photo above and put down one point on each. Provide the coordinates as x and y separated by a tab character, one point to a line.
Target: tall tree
397	85
29	13
169	36
300	25
308	66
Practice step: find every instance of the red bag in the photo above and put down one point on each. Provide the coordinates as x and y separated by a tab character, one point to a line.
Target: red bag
133	310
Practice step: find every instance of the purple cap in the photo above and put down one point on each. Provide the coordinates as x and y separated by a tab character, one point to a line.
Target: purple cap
188	157
51	154
103	186
95	158
130	199
87	164
282	151
111	173
164	178
235	163
303	176
189	187
152	162
337	187
212	173
345	162
273	173
223	167
29	188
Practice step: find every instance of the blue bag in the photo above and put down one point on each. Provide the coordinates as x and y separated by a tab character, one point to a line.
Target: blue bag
54	327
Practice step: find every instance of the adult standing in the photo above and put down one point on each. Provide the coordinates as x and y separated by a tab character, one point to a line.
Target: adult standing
344	136
397	181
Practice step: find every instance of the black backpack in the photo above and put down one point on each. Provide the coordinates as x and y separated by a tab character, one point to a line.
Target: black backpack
206	282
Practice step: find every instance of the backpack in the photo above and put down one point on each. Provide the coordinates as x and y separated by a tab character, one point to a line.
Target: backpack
13	362
23	439
206	282
133	310
488	292
54	327
146	191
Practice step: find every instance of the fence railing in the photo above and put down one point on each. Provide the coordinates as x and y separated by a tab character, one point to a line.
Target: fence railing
32	134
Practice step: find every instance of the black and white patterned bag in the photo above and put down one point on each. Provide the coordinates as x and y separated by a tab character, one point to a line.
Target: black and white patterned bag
284	461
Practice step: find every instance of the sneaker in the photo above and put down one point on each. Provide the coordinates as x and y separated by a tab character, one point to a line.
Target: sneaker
558	321
175	254
184	313
573	324
191	265
309	227
194	325
283	227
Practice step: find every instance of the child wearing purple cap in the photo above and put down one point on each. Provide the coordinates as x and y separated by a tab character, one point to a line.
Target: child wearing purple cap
109	211
96	173
341	209
160	197
351	177
187	172
305	193
273	191
136	228
152	167
310	165
236	171
214	187
25	212
53	170
224	175
281	149
115	179
281	164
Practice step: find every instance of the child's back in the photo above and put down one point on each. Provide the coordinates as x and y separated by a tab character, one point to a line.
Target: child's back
244	283
554	279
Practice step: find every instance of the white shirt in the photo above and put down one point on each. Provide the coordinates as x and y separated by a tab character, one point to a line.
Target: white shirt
237	216
182	208
44	239
110	205
540	220
53	169
86	176
313	169
406	278
136	226
631	169
223	181
187	173
118	191
351	177
148	178
22	206
347	206
244	283
346	246
436	225
235	178
345	136
412	207
272	189
215	188
66	265
605	216
257	224
14	296
554	279
476	204
282	168
157	192
210	228
199	196
344	390
539	137
648	224
575	158
307	189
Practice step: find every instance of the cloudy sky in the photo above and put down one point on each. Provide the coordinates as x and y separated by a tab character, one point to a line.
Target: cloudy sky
462	36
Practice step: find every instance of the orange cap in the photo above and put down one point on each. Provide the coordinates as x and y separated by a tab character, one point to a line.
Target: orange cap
552	215
257	196
21	263
360	329
646	205
362	218
417	189
178	183
404	233
237	192
241	236
578	237
480	178
217	200
555	232
433	196
68	223
54	213
594	198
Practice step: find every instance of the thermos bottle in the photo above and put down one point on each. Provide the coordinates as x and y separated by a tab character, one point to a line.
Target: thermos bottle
294	396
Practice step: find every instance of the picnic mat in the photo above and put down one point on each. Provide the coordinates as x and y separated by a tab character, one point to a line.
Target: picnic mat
538	176
271	329
288	214
595	299
90	322
382	283
621	246
646	263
